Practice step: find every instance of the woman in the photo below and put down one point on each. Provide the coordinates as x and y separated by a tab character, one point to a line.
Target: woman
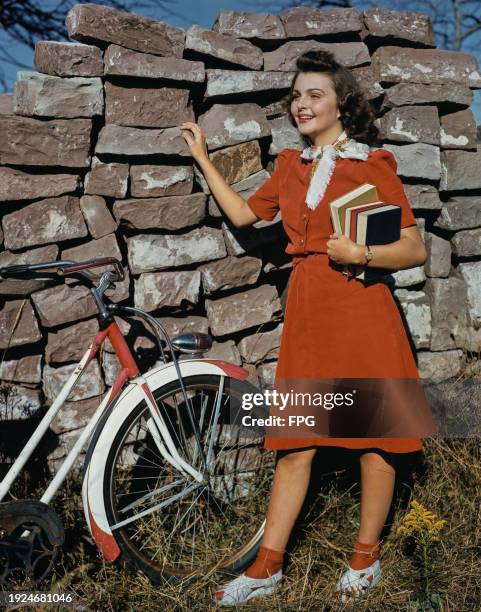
335	325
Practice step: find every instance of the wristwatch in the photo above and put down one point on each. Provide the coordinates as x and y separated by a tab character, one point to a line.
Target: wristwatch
368	254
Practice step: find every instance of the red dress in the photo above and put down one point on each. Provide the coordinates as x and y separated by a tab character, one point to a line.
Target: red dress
334	326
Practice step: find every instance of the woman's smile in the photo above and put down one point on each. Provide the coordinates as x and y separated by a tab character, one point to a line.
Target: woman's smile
304	118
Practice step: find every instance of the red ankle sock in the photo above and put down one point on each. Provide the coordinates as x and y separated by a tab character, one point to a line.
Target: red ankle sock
364	555
268	562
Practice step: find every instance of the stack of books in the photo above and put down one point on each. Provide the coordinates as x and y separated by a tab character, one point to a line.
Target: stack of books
362	217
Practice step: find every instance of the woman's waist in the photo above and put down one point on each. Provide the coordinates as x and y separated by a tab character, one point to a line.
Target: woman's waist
321	257
318	265
321	266
302	246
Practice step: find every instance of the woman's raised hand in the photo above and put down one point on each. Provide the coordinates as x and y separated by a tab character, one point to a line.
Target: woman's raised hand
196	140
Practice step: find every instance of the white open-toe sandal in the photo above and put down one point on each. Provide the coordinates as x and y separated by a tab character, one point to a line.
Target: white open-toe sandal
243	589
354	583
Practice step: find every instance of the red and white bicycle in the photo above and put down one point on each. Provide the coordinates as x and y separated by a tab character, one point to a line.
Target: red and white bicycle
171	484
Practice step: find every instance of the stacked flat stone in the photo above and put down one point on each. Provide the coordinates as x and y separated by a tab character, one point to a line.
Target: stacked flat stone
92	163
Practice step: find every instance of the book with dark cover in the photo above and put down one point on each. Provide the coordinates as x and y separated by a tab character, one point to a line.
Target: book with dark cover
351	218
378	226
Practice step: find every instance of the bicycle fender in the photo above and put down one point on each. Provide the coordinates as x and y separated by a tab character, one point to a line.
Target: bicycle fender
107	428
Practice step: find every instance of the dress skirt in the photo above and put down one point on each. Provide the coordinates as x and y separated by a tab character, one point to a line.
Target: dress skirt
337	327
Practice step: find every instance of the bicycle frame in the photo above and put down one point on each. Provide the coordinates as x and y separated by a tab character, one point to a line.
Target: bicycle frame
129	373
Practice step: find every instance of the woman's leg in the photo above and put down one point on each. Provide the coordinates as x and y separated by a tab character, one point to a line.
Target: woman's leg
293	471
288	492
377	488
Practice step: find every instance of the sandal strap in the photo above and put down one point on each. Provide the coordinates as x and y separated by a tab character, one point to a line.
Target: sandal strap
373	554
239	589
365	578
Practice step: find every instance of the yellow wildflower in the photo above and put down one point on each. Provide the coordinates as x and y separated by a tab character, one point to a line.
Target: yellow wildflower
419	520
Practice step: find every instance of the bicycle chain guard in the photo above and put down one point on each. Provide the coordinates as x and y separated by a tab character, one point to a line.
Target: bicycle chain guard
34	555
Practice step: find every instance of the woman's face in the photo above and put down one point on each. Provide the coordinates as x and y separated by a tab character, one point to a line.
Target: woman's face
314	104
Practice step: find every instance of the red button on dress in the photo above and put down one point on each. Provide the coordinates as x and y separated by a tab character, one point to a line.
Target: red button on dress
335	327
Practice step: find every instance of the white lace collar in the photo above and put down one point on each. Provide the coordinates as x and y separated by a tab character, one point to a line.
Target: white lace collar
324	159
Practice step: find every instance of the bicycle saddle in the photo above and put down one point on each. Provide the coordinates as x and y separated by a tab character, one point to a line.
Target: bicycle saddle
192	343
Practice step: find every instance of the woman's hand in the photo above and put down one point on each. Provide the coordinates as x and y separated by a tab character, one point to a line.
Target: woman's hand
195	138
343	250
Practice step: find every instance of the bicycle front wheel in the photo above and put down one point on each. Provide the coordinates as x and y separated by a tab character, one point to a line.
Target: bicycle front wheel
165	522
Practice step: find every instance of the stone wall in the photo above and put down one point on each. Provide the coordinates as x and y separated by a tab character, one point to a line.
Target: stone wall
92	163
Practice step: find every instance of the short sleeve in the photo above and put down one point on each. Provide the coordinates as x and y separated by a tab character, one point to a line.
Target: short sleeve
383	173
264	202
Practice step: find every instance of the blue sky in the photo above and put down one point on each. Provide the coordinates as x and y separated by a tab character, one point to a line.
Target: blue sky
201	12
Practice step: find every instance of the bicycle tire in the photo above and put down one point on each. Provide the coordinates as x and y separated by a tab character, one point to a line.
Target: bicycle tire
131	553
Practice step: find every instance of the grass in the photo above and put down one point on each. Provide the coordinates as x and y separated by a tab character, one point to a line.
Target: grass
447	482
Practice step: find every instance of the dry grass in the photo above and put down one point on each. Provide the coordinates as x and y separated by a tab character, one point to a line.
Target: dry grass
448	483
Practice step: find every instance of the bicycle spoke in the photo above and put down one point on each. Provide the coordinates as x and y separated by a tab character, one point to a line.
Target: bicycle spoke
151	494
173	532
218	399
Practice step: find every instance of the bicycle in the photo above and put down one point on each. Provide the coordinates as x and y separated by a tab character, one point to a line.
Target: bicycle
172	485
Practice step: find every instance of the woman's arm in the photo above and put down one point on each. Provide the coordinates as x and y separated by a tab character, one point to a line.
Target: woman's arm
234	206
407	252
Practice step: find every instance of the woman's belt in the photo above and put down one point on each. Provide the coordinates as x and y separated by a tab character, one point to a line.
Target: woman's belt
297	259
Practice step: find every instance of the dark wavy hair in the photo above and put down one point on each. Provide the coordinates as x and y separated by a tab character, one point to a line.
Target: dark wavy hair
357	114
